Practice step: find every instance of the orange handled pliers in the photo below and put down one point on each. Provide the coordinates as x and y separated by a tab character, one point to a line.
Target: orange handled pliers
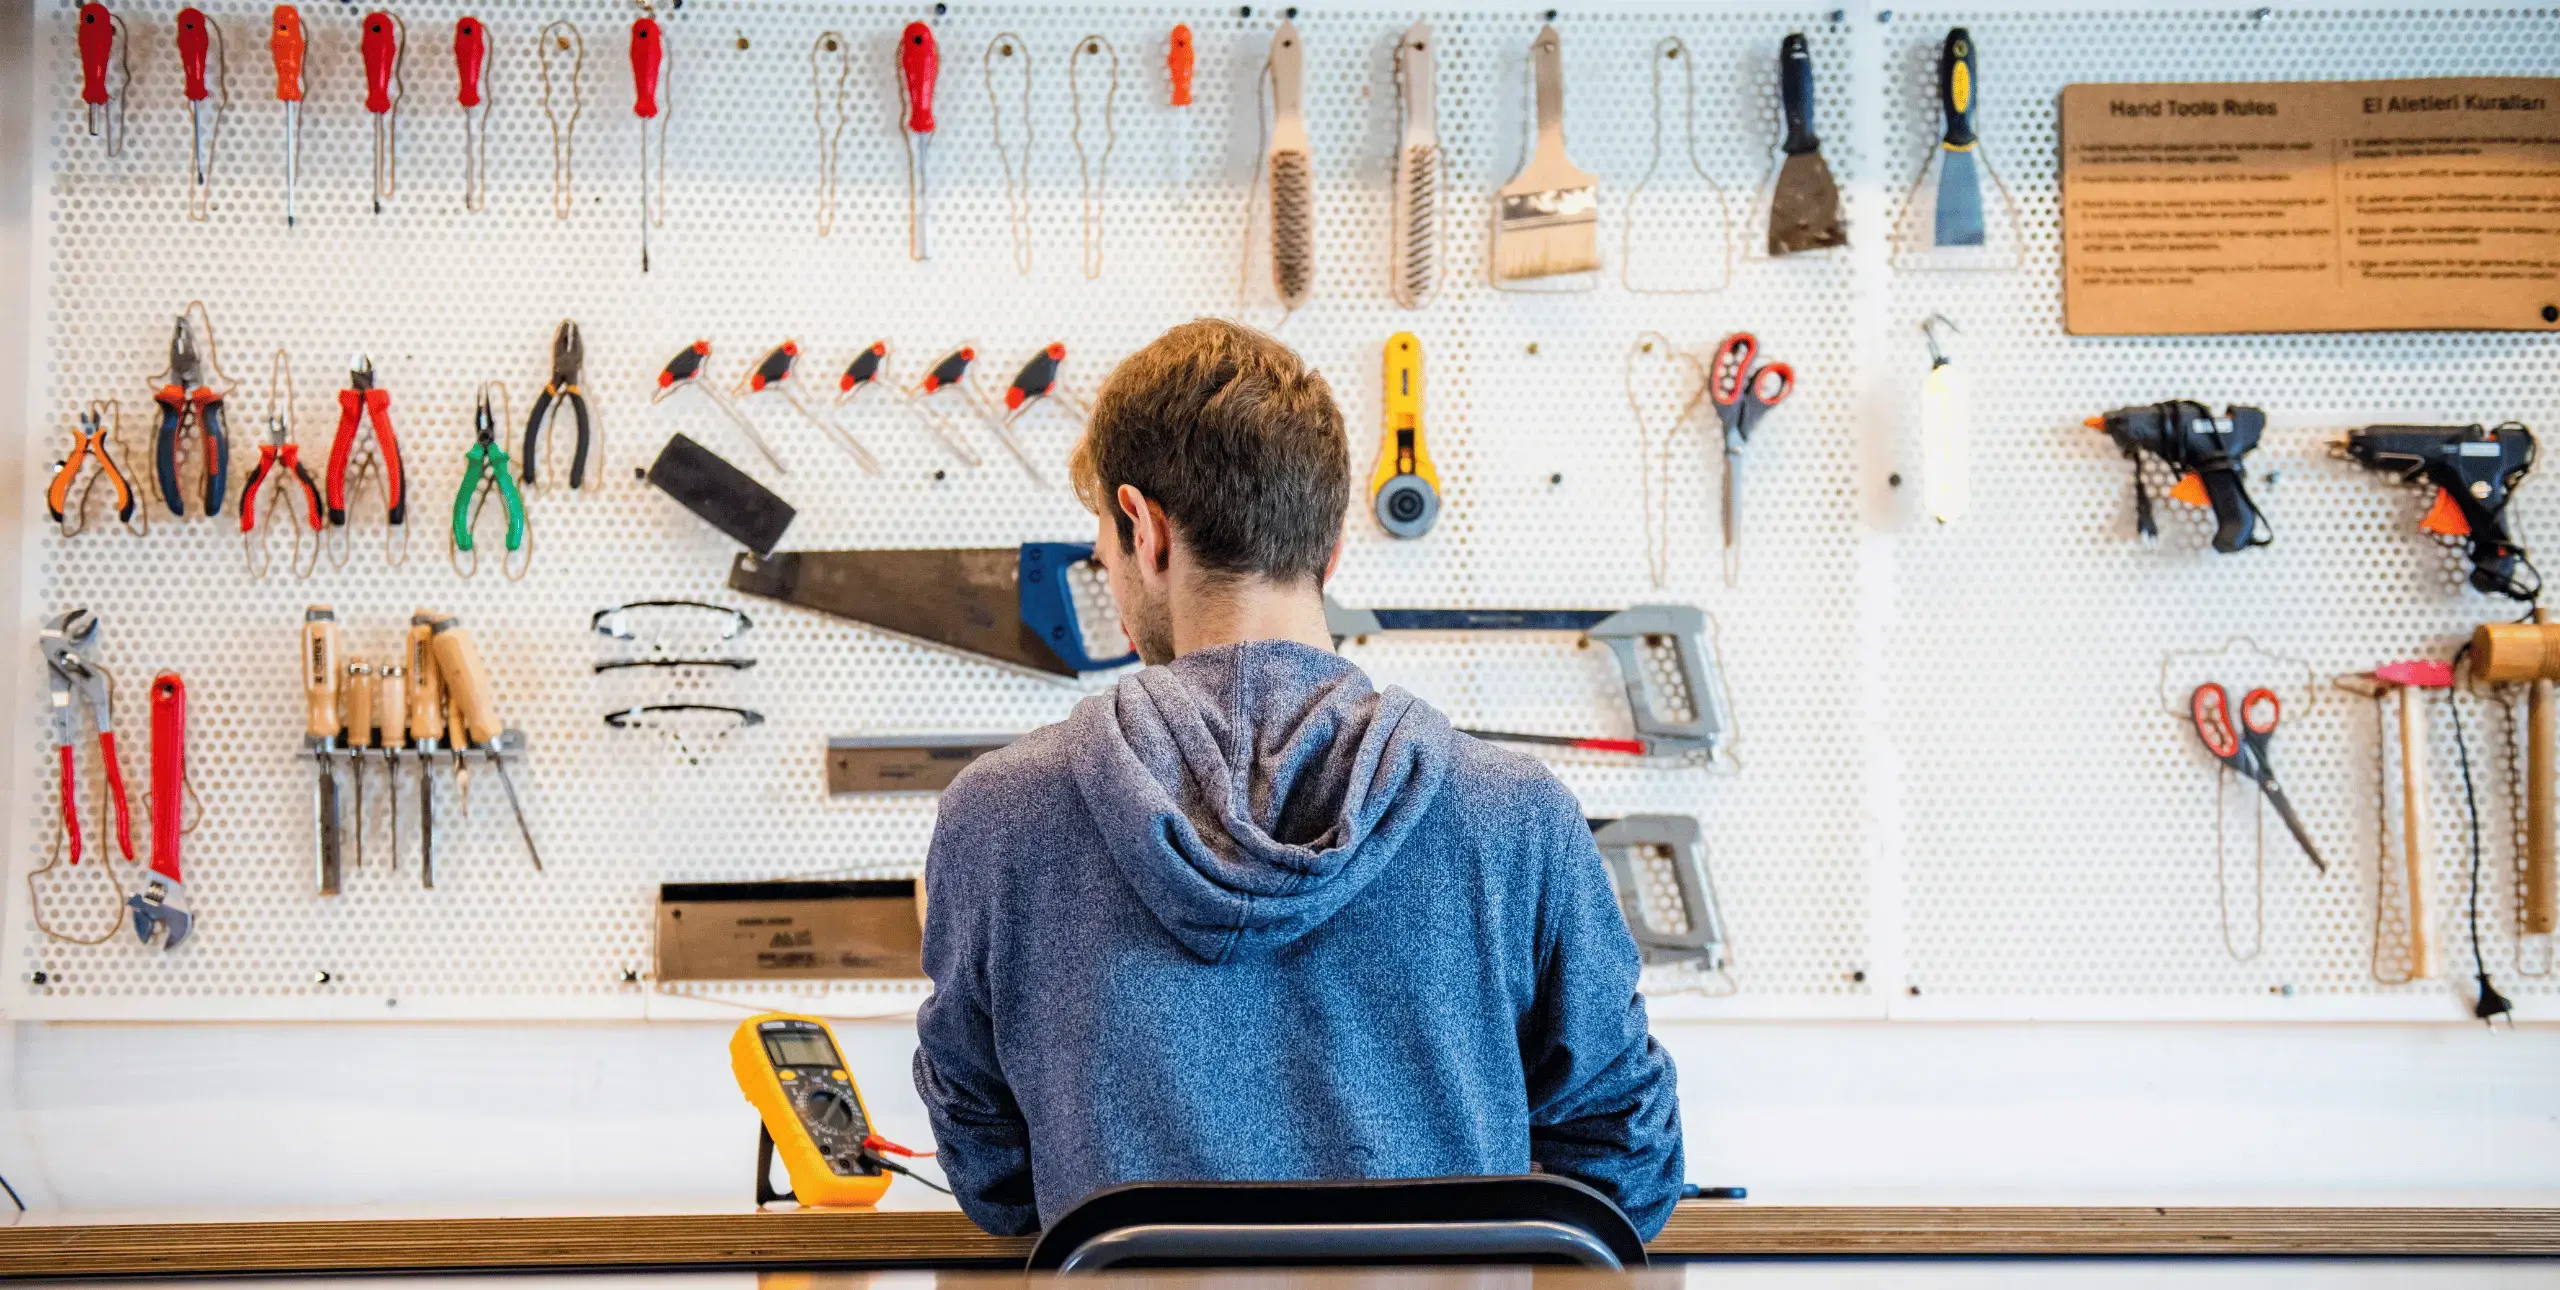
90	442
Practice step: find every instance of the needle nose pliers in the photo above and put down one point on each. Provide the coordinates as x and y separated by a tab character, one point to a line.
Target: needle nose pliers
185	397
484	466
568	361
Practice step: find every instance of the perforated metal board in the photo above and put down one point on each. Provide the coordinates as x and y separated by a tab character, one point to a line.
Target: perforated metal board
1889	744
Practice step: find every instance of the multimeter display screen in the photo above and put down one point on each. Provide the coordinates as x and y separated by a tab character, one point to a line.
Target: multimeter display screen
800	1048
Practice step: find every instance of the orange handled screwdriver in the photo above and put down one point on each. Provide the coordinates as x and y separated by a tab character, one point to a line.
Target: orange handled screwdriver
1177	64
286	43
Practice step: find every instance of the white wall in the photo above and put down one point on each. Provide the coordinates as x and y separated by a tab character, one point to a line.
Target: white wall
123	1116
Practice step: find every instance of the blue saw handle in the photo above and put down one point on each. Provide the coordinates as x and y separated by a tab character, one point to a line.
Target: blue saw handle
1049	604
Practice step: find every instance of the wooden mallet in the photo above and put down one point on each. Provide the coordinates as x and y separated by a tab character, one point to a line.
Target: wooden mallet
2529	653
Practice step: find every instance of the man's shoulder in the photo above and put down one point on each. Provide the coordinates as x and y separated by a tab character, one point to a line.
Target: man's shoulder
1029	777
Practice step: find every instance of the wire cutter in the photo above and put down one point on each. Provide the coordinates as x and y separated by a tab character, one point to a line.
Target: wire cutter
280	458
185	398
66	641
91	441
568	360
362	400
484	466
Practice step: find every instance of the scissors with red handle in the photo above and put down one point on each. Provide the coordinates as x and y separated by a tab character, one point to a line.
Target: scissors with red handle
2244	748
1742	393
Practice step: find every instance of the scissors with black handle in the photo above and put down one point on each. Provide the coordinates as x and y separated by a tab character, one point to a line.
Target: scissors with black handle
1741	393
2244	748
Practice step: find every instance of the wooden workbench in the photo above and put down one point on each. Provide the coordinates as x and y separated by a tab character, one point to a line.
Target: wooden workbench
56	1245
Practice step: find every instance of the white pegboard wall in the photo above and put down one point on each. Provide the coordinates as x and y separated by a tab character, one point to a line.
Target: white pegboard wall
1526	414
2060	825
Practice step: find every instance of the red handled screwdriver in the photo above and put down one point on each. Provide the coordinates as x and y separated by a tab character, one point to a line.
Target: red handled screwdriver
470	62
103	73
648	72
919	66
197	37
385	42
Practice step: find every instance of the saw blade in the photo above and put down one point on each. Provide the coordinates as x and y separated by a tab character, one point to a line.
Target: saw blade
967	600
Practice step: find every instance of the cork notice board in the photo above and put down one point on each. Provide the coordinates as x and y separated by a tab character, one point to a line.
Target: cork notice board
2316	206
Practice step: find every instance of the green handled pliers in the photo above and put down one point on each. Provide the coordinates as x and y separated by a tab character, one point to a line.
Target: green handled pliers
485	467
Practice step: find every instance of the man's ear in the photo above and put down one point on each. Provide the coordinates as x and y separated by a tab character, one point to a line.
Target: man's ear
1150	532
1332	562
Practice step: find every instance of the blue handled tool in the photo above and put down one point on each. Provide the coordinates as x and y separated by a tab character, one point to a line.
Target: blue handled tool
1010	605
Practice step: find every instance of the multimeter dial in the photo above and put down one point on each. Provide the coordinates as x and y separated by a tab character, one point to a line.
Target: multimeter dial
834	1121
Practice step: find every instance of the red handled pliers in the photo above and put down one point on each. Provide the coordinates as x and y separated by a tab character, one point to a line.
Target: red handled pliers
362	400
66	641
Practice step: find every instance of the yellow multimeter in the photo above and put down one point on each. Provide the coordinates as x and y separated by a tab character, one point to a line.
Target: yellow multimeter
1404	490
794	1075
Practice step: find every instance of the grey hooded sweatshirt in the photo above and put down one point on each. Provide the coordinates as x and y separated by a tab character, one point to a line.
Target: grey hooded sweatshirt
1244	917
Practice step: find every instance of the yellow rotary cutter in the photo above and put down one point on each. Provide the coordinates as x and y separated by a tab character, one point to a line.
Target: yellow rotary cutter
1404	490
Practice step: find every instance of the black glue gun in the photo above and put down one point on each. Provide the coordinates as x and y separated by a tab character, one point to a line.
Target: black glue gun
2475	471
2207	455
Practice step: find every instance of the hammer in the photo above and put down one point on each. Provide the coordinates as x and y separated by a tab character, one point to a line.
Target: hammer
2504	654
2406	679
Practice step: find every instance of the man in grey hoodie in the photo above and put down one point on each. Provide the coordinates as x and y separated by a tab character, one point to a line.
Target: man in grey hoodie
1244	916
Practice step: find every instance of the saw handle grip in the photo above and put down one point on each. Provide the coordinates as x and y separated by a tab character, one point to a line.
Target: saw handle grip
1048	603
1795	94
286	43
320	667
381	44
193	43
470	59
168	773
1956	87
648	63
919	66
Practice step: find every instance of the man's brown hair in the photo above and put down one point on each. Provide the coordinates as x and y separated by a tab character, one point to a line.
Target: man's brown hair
1235	438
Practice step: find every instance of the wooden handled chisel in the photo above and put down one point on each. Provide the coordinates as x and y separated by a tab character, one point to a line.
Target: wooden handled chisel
320	690
426	725
467	684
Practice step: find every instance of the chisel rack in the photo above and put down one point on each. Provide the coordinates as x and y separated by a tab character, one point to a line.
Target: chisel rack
1955	797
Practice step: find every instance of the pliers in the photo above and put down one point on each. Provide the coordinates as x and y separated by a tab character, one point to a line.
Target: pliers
568	359
280	457
91	441
362	400
66	641
185	396
484	466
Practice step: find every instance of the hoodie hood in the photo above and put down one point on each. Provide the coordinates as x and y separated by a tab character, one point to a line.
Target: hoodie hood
1249	791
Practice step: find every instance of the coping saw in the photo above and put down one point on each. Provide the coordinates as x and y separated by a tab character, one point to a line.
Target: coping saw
1627	844
1006	605
1679	709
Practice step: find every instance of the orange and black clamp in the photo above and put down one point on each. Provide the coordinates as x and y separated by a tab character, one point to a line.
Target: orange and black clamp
648	74
104	74
362	401
919	67
385	44
285	43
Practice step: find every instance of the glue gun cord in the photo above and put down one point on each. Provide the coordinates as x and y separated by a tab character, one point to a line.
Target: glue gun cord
2490	1003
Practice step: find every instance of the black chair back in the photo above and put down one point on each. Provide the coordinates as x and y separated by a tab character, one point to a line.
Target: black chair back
1533	1218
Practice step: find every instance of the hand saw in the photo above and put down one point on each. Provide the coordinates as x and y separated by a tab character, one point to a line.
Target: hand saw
1007	605
1629	844
1678	701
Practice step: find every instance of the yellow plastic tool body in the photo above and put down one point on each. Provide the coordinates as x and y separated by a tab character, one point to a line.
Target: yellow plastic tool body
794	1075
1404	489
